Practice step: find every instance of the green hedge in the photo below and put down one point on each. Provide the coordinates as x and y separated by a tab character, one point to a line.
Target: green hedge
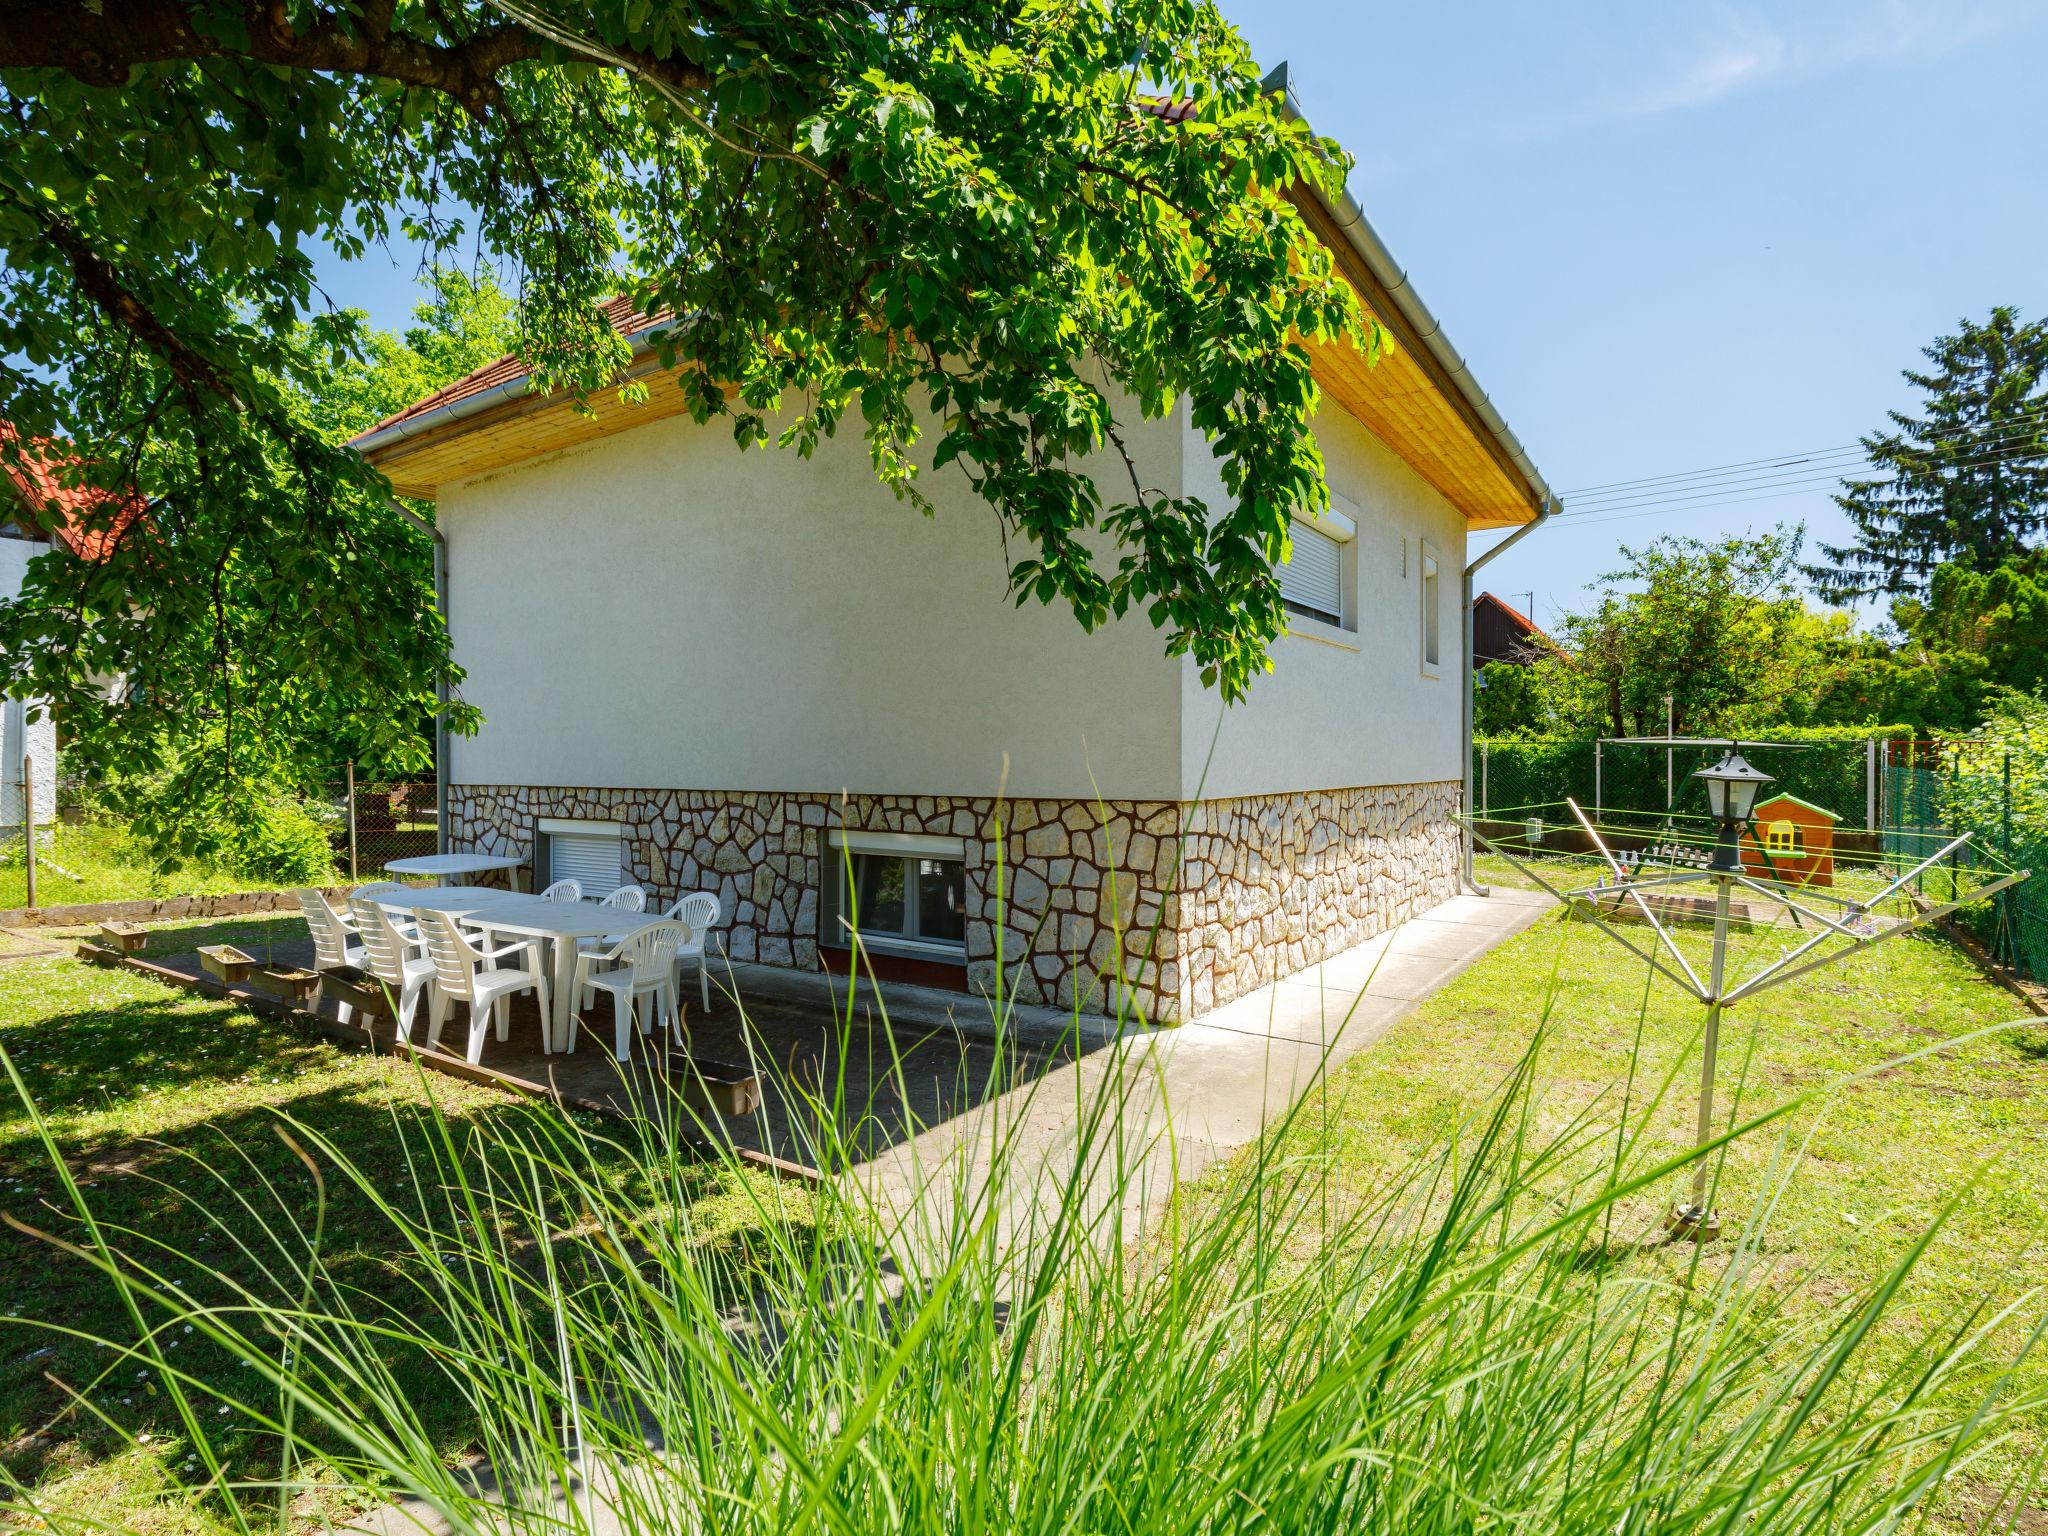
1832	772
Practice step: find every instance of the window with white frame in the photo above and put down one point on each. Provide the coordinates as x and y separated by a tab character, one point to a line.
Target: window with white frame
1432	613
900	891
592	853
1317	580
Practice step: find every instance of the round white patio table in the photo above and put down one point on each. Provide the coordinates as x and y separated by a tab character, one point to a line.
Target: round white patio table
444	866
560	923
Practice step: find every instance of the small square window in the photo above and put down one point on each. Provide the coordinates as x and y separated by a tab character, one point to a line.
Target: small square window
590	853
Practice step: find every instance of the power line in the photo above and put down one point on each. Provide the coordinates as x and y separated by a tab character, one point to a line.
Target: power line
2039	409
2012	454
1799	466
1704	501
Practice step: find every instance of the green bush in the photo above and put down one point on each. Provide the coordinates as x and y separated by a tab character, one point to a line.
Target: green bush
185	816
280	839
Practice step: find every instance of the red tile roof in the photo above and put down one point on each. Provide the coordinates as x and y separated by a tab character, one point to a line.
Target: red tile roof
624	319
68	514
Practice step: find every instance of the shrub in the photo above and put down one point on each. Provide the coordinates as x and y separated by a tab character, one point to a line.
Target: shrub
182	814
280	839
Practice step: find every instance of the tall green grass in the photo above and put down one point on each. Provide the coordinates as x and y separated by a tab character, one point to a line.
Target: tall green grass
993	1340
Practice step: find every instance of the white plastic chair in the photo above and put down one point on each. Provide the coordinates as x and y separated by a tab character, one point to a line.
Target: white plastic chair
563	890
643	965
462	974
393	958
698	912
627	898
331	948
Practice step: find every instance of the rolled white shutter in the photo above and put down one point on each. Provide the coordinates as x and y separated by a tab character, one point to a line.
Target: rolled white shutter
1314	578
591	859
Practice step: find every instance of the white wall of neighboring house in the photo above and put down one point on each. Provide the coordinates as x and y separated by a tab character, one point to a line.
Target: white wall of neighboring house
659	609
1344	708
20	736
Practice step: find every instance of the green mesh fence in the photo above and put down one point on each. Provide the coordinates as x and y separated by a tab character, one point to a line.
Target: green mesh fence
1838	776
1923	793
1949	788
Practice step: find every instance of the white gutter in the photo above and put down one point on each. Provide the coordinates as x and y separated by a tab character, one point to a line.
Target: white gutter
1364	239
518	388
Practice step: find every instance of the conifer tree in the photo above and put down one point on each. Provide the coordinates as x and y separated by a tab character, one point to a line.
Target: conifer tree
1965	481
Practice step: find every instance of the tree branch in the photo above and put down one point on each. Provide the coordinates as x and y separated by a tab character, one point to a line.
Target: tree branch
98	280
103	43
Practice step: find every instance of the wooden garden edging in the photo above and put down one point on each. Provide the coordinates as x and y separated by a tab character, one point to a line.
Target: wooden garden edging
162	909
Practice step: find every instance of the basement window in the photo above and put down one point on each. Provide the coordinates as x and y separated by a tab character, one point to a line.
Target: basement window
589	852
902	892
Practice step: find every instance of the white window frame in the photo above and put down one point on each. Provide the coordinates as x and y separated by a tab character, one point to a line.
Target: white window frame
910	847
1339	524
1431	612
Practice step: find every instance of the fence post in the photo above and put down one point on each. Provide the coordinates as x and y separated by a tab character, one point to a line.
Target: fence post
1870	784
1670	731
1485	764
351	820
28	821
1598	769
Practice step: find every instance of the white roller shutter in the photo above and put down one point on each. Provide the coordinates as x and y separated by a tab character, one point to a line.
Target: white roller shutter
1313	581
590	858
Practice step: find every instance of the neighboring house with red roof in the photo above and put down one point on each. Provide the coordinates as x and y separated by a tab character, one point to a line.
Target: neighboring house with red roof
1502	632
702	669
39	513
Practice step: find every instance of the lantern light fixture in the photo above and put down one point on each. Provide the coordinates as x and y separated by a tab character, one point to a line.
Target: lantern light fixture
1732	787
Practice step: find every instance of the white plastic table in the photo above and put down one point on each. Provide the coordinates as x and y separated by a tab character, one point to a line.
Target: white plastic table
444	865
560	923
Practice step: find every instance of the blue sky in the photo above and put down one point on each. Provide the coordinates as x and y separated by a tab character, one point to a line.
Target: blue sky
1668	237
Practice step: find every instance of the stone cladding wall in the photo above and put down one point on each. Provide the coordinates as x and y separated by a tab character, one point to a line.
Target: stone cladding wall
1275	883
1272	883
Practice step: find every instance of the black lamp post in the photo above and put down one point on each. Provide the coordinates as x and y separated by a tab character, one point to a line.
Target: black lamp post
1732	787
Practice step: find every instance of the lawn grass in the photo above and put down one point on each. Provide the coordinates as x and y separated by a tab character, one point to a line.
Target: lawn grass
96	861
137	1081
131	1075
1915	1117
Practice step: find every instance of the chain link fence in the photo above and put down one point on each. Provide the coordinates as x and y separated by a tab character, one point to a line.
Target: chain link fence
1907	798
1606	775
85	852
1934	792
377	820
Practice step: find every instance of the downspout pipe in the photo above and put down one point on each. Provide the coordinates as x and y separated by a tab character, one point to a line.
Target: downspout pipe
441	692
1471	672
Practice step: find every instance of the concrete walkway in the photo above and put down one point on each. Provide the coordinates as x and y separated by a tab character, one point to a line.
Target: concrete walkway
1129	1120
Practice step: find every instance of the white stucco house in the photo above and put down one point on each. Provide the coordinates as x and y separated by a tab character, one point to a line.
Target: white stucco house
707	669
